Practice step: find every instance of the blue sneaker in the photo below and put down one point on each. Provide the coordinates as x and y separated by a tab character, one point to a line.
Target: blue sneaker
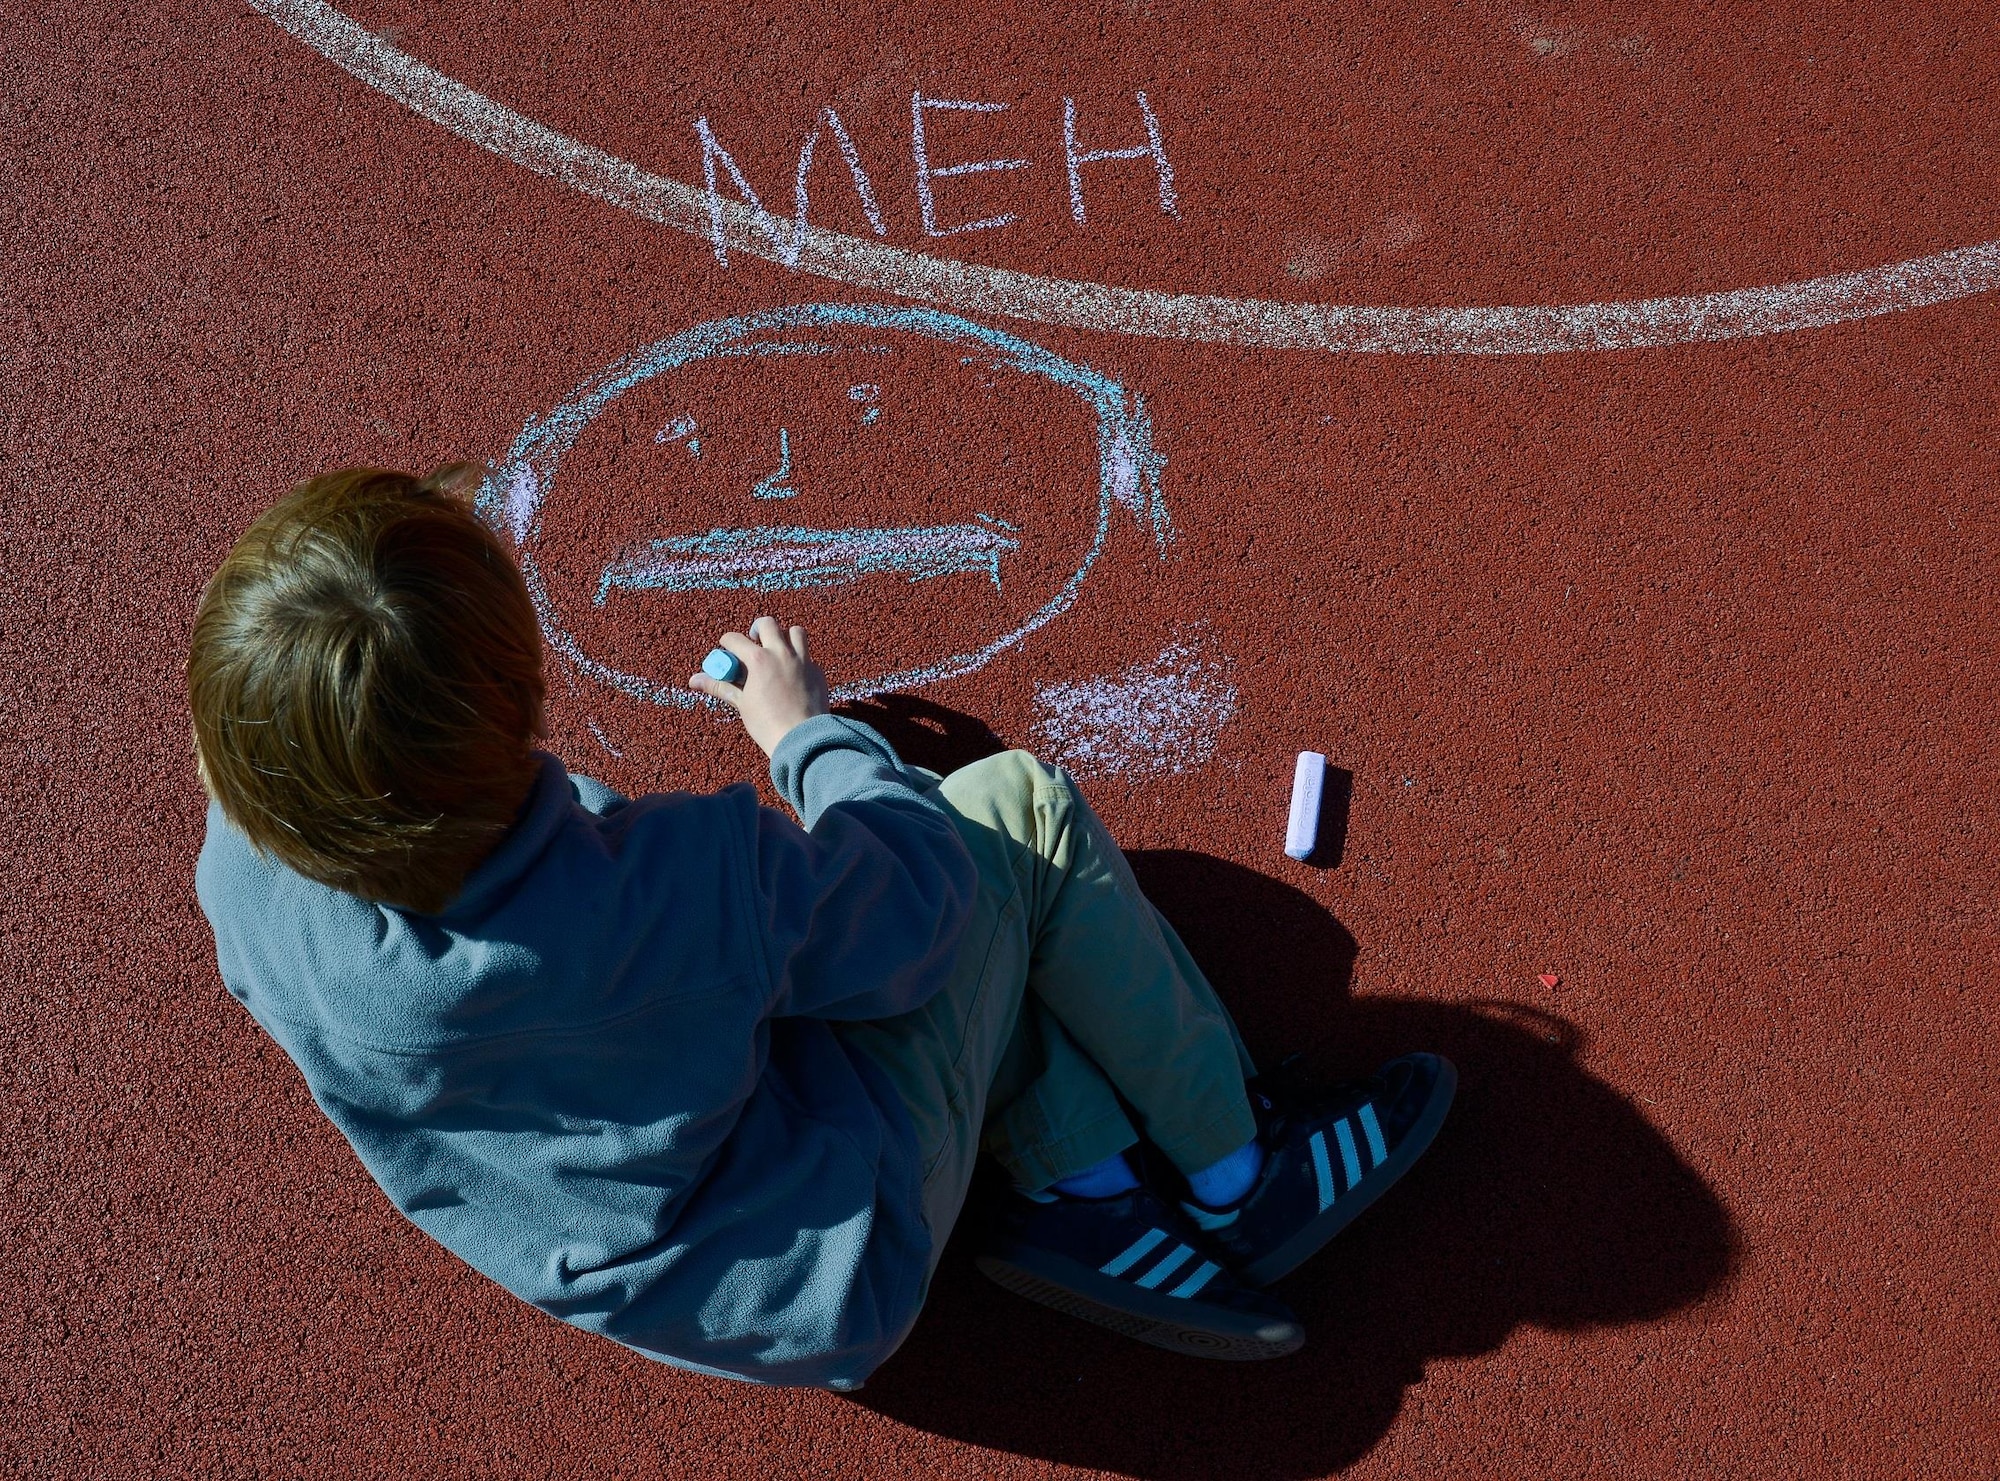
1135	1264
1329	1154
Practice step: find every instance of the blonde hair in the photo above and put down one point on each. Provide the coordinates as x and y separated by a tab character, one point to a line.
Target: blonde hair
366	683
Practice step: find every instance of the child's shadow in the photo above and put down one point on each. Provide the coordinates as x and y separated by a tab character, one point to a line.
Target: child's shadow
1548	1199
926	733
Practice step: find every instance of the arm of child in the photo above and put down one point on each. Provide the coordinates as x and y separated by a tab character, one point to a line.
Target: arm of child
862	908
858	913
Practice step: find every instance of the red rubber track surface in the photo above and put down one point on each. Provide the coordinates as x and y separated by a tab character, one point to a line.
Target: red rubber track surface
1666	674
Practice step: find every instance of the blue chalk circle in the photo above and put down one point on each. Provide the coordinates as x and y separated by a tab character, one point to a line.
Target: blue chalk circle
723	666
797	555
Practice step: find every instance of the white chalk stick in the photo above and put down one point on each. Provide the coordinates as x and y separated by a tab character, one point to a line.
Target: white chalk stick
1308	785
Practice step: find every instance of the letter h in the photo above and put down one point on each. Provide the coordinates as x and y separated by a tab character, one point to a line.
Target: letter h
1077	158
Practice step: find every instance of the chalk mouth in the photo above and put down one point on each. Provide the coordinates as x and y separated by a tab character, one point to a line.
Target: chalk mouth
793	557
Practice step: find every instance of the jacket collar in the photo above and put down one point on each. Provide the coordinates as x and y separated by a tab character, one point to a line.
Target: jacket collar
547	807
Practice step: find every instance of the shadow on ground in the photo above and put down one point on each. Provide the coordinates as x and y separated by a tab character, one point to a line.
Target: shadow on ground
1547	1200
925	733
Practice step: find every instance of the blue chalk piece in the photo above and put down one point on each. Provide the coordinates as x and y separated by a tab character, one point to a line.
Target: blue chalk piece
723	666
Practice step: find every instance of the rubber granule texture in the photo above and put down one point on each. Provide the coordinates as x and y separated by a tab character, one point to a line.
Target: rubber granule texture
1662	681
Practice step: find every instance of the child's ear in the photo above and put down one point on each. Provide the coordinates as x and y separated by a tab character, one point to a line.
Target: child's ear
200	766
458	480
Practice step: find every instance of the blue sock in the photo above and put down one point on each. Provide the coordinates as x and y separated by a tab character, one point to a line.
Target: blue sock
1106	1179
1226	1182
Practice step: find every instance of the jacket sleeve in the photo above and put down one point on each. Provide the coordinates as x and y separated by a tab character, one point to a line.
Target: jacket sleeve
861	910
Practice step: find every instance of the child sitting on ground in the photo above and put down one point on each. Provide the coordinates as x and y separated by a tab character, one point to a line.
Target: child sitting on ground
681	1071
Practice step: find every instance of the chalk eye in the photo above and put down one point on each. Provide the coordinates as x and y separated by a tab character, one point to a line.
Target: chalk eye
681	430
865	395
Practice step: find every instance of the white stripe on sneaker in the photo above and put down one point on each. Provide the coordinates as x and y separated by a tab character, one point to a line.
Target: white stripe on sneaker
1378	1150
1208	1220
1141	1247
1158	1274
1202	1276
1322	1170
1350	1159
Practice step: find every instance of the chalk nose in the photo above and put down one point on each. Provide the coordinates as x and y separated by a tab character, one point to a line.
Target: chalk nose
778	483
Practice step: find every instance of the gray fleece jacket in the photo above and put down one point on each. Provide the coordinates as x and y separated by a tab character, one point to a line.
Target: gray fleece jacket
607	1075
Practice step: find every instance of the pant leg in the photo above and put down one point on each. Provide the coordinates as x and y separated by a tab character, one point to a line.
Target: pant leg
981	1030
1050	1110
1068	984
1133	1007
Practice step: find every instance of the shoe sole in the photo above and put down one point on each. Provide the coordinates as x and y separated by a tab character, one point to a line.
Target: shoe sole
1344	1210
1182	1326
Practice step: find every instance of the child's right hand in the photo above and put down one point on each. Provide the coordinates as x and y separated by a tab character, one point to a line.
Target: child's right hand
781	686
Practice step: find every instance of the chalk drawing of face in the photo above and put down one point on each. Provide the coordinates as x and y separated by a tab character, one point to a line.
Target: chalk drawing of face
920	491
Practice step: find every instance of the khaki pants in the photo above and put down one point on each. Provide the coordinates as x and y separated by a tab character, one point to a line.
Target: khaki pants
1072	1002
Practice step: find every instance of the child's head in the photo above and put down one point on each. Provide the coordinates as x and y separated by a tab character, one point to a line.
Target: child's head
366	681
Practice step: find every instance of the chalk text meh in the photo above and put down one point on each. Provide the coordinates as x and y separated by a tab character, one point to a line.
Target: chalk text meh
937	217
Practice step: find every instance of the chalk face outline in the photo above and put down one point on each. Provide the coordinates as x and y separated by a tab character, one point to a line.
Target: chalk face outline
511	496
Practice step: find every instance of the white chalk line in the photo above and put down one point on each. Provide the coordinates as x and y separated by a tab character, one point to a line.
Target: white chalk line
972	288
